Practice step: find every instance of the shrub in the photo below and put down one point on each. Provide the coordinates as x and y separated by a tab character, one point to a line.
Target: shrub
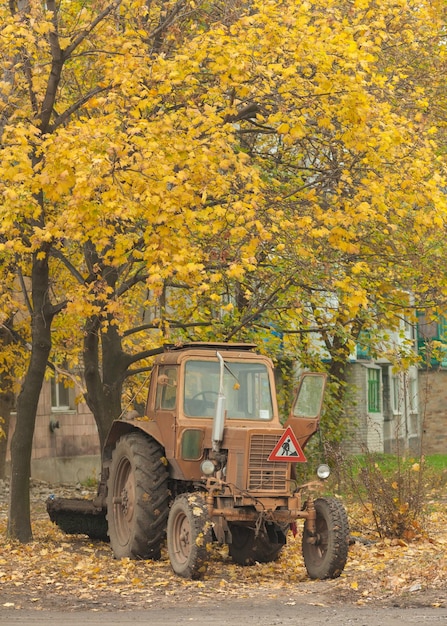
392	489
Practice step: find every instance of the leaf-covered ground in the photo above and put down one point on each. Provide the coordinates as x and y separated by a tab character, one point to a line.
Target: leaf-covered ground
72	572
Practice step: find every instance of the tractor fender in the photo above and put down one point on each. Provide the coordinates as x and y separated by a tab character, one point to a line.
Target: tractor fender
123	427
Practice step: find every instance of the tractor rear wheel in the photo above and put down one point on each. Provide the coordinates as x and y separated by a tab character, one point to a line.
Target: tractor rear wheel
247	549
326	552
189	535
137	498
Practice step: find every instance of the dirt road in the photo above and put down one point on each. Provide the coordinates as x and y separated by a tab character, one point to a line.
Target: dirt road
247	612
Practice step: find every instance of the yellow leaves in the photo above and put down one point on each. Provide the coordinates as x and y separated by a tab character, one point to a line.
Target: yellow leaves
236	271
42	27
360	267
72	566
325	123
152	171
283	129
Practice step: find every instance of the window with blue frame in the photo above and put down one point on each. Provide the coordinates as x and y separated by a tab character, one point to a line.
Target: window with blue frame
429	330
363	350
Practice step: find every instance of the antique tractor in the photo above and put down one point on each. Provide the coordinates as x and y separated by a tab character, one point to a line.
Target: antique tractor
210	461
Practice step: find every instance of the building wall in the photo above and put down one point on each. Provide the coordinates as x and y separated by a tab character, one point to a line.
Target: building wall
356	409
69	450
433	409
396	426
367	429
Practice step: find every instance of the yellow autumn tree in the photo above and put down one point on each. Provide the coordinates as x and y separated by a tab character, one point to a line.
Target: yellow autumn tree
338	105
107	158
241	167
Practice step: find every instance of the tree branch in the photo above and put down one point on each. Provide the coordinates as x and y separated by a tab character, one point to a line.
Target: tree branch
73	271
154	326
83	34
145	354
76	106
157	34
58	58
57	63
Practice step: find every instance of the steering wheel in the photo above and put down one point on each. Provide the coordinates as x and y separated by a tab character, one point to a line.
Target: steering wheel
203	394
201	402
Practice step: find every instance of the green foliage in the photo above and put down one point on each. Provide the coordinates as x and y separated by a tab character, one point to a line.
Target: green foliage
91	482
335	423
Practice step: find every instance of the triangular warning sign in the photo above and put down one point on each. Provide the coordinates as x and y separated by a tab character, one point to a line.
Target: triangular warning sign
288	449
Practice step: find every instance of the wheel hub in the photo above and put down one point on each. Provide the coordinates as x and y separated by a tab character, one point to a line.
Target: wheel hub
124	501
184	537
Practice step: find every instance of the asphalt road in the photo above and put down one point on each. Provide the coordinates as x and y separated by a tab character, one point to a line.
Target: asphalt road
246	612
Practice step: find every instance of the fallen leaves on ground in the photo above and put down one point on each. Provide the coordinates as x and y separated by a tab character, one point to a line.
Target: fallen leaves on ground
76	570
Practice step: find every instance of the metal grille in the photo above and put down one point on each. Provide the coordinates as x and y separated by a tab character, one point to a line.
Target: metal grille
265	475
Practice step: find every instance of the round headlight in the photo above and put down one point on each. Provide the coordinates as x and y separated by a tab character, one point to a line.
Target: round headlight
323	471
208	467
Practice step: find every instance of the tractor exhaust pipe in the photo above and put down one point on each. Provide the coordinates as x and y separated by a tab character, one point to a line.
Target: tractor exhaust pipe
219	415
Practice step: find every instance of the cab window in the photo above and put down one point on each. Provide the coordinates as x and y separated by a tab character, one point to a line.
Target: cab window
246	389
166	396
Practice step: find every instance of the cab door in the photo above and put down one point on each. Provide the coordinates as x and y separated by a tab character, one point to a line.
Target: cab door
304	417
166	405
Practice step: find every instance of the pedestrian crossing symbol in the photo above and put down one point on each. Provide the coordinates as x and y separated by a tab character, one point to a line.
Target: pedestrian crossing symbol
287	449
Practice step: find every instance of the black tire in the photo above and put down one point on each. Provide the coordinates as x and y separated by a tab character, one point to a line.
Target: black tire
325	554
137	498
245	549
189	535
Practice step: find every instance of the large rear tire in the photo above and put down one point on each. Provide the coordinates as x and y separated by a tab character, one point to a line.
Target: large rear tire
137	498
246	549
189	535
325	554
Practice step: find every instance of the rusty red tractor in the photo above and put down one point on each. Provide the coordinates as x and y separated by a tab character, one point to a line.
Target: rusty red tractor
210	461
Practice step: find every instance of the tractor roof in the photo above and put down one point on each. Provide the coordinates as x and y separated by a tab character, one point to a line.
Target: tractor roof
202	345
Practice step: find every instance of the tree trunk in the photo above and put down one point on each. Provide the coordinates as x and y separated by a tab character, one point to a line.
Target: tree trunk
19	522
6	400
103	391
115	364
5	411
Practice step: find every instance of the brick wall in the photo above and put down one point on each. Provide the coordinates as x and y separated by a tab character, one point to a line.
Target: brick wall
433	410
355	409
367	430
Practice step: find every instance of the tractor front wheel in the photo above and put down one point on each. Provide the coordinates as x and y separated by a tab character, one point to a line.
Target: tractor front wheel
189	535
325	552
